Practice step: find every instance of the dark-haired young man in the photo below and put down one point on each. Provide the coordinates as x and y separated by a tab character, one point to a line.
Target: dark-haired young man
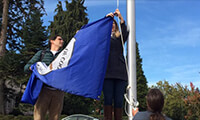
50	99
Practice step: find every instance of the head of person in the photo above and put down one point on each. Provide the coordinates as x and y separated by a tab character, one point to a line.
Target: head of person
56	42
155	103
115	29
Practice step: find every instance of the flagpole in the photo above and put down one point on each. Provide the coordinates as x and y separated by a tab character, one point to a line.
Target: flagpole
132	92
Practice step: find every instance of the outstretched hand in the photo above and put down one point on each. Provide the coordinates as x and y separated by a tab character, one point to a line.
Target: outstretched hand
110	15
116	13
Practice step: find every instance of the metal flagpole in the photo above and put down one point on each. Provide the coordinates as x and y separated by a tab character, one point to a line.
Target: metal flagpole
132	91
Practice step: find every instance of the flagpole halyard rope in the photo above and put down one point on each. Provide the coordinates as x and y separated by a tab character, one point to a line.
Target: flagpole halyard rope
135	103
122	40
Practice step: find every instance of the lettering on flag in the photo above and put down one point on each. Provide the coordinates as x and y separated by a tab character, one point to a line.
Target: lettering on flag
61	61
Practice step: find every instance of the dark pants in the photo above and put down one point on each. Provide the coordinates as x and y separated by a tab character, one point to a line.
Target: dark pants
113	89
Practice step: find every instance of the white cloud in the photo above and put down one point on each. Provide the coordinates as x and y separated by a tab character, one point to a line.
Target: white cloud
184	74
169	40
181	33
169	36
190	38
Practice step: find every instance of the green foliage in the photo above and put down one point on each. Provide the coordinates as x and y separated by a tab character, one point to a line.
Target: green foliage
34	34
7	117
24	22
16	111
12	117
180	102
11	67
11	71
192	102
17	13
142	88
74	104
66	23
98	105
26	109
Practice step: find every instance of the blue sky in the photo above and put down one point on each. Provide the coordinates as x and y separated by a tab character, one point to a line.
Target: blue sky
168	33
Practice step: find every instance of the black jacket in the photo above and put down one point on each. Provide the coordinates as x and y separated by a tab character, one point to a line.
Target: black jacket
116	68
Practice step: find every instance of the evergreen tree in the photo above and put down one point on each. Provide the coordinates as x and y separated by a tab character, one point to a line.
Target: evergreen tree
142	87
12	64
17	12
34	38
66	23
2	47
11	72
34	34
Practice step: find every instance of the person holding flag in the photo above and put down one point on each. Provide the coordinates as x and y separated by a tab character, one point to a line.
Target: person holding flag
77	69
50	99
116	75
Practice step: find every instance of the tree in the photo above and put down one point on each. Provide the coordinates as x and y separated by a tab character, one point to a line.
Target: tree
192	102
4	27
33	38
34	34
174	106
17	11
142	87
11	73
74	104
2	49
66	23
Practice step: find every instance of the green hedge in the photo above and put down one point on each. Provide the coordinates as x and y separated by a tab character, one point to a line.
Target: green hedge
20	117
12	117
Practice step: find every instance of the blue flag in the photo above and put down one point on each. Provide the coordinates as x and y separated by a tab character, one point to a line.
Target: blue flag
80	68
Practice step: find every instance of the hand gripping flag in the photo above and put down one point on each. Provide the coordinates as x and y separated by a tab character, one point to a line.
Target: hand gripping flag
80	68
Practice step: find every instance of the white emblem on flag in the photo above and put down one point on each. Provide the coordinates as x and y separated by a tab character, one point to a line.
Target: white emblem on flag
61	61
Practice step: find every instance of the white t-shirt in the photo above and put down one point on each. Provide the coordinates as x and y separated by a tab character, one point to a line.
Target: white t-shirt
54	52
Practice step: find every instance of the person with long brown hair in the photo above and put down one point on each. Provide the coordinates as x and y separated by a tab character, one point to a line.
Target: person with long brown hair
116	76
155	103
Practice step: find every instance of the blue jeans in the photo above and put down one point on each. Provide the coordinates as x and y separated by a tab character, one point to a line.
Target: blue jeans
113	89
